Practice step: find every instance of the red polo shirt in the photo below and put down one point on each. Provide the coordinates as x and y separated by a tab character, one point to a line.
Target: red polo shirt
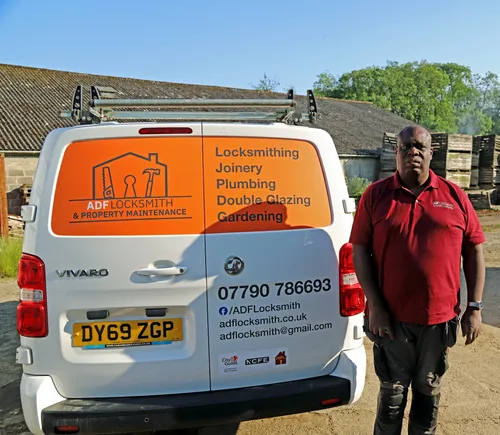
417	244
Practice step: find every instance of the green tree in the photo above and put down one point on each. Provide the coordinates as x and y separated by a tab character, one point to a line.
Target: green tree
441	96
433	103
488	102
356	186
267	84
326	86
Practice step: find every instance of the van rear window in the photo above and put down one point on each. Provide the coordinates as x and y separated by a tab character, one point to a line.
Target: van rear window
183	185
130	187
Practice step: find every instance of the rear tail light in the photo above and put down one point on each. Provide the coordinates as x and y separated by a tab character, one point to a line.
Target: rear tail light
32	309
352	297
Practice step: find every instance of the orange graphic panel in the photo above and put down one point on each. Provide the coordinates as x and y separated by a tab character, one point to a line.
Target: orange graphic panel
261	184
130	186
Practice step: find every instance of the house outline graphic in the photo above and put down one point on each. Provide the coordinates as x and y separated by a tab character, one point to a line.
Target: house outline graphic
128	183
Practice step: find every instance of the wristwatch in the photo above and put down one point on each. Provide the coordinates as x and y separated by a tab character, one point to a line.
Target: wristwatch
478	305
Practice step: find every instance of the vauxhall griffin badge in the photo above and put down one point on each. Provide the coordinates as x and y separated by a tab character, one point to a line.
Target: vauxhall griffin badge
234	265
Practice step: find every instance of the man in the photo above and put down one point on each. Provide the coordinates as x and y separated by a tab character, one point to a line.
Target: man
409	234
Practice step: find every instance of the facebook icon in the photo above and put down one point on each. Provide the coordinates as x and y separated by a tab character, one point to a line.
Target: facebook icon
222	311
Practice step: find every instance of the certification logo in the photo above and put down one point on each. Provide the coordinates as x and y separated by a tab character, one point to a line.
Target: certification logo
257	360
229	363
280	358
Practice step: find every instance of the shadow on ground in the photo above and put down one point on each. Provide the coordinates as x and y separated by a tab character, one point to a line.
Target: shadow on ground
491	312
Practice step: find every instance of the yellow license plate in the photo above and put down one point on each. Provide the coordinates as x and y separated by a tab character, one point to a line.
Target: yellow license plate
127	333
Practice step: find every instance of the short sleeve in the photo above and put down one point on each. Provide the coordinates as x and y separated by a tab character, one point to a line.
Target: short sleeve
362	228
473	234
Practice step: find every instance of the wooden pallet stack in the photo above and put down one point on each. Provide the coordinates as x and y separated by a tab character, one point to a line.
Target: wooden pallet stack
489	161
25	193
388	164
474	173
452	157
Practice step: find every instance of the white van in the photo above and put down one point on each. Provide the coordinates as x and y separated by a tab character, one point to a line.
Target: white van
186	272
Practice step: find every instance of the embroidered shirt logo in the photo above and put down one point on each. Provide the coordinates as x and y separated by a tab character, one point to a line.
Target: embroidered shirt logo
443	204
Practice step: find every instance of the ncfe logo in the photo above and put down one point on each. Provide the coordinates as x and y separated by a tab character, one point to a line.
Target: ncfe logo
258	360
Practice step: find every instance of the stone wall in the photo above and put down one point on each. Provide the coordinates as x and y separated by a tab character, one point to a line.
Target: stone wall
19	170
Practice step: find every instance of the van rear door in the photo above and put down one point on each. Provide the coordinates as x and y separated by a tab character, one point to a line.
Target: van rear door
124	254
272	255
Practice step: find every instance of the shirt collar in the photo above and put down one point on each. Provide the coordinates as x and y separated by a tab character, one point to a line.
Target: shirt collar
396	183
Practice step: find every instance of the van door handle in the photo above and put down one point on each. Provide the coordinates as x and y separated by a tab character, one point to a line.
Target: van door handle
167	271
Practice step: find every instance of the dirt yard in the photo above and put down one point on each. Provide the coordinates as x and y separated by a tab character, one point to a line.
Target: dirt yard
471	395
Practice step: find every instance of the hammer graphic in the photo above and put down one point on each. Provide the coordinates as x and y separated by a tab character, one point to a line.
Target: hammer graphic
151	173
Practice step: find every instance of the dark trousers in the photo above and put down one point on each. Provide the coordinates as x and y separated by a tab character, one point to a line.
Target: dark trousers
417	356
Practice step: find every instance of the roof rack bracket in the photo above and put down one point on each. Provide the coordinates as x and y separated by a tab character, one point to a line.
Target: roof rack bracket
313	107
77	113
94	93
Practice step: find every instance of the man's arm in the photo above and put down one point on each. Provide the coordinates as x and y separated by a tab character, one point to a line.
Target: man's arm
363	264
475	275
379	320
361	239
474	270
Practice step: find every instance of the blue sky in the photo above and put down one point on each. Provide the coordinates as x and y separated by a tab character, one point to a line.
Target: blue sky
233	43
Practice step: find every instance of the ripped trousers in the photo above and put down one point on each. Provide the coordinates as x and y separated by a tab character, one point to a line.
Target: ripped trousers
417	356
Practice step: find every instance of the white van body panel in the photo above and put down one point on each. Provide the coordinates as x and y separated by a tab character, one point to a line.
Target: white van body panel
352	366
271	257
37	393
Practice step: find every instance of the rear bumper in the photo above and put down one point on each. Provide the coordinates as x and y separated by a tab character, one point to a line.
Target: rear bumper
141	414
42	405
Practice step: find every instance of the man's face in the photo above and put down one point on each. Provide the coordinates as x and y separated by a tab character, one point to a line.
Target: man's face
414	152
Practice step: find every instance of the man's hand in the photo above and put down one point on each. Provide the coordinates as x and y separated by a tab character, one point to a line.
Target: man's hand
380	322
471	325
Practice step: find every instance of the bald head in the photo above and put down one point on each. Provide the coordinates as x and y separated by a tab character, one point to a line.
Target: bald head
414	134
